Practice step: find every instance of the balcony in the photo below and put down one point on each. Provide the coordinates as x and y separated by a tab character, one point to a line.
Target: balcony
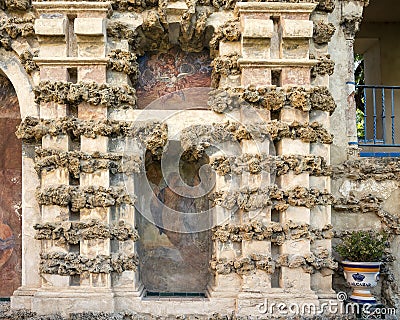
377	108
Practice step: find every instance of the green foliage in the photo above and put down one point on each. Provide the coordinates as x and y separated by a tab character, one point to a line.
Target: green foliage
363	246
359	78
360	124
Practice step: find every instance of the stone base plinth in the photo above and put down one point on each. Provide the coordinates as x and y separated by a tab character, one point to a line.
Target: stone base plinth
72	300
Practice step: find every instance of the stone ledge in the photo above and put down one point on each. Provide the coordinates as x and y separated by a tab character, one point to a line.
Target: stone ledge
275	7
275	63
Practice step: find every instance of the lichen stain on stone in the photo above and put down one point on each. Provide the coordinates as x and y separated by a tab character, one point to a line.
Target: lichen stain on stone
13	28
71	232
326	5
274	232
152	134
93	93
124	61
323	32
311	262
229	31
26	59
69	264
47	160
324	66
250	199
368	203
272	98
15	5
196	138
257	163
224	66
86	197
379	169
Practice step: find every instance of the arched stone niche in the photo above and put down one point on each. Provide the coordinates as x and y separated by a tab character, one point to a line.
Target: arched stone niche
10	191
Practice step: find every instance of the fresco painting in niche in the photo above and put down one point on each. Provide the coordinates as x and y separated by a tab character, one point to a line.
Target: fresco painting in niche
164	75
174	262
10	190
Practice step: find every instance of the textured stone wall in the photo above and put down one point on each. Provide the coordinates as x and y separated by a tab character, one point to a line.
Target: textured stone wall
277	108
367	198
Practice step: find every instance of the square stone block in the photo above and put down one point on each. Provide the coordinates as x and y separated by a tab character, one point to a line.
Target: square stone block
321	283
296	214
321	149
56	176
94	247
50	26
53	74
99	144
53	110
87	111
257	28
55	280
60	143
321	216
229	47
54	213
260	281
255	180
322	183
92	73
91	47
322	117
254	246
291	180
97	178
256	48
289	146
102	214
295	278
295	49
56	48
256	76
297	28
299	246
90	26
296	76
289	115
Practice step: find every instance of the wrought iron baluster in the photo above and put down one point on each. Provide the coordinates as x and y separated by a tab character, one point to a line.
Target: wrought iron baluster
393	131
374	115
383	117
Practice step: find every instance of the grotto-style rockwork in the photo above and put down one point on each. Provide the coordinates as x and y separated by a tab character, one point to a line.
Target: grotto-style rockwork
257	98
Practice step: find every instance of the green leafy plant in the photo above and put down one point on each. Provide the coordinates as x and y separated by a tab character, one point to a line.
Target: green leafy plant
363	246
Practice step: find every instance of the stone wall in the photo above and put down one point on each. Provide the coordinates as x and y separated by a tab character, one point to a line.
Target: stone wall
278	115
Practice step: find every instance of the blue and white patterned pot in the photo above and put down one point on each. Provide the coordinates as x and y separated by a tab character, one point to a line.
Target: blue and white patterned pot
361	276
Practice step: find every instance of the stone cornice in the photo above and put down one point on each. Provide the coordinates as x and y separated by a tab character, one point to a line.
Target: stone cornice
262	63
68	7
275	7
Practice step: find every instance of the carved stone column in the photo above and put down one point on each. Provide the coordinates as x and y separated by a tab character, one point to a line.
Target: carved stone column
275	51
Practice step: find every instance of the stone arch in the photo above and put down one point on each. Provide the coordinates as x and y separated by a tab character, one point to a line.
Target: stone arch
10	191
11	67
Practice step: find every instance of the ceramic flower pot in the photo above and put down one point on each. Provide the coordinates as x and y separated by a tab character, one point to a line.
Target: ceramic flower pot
361	276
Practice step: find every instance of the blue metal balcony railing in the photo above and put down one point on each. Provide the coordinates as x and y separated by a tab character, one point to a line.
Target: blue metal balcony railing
378	107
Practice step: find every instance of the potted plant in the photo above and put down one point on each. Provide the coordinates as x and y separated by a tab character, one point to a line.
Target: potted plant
362	253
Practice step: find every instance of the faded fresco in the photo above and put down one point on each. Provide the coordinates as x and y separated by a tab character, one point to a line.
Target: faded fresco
164	75
174	262
10	191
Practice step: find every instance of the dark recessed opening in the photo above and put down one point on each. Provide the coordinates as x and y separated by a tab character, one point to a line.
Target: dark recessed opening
275	216
72	75
175	294
276	78
75	280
